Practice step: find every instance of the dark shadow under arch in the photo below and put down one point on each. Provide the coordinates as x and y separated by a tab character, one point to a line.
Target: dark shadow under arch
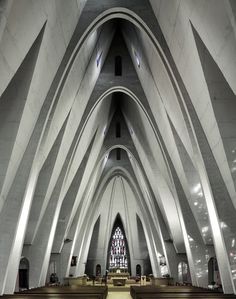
118	65
91	267
98	270
146	267
213	272
138	270
24	274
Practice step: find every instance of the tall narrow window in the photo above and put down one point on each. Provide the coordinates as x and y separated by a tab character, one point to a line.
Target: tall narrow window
118	153
118	133
118	66
98	59
137	58
118	252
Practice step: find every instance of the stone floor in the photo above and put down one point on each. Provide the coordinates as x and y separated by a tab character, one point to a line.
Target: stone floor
119	295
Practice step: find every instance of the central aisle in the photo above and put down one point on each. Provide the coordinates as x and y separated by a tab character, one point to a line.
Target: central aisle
119	295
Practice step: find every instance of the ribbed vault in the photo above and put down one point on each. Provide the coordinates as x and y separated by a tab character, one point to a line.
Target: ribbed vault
84	145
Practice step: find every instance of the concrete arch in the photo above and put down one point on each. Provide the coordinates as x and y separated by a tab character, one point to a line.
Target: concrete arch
126	14
148	228
115	13
155	172
136	100
118	12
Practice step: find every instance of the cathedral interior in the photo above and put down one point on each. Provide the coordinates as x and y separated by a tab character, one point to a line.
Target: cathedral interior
117	141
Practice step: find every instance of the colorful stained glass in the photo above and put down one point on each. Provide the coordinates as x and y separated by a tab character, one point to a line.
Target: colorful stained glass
118	253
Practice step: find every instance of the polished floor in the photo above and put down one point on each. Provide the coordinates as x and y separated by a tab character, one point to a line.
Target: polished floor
119	295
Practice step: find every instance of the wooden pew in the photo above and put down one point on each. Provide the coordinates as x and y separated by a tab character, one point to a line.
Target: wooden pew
98	292
190	296
173	292
65	289
52	296
185	295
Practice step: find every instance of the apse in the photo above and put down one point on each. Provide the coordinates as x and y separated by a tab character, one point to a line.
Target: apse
118	250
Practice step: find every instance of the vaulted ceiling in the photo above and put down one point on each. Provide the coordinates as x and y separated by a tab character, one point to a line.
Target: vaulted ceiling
81	144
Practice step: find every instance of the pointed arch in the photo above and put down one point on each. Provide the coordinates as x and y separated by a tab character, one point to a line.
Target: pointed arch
24	273
91	268
118	233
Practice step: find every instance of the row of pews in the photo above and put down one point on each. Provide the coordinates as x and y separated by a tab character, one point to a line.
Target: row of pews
176	292
81	292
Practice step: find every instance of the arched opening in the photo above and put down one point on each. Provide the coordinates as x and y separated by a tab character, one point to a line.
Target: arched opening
145	255
138	270
53	272
182	272
118	252
23	274
92	267
118	66
98	270
214	279
163	266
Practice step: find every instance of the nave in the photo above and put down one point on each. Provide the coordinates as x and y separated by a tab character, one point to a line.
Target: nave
117	143
128	292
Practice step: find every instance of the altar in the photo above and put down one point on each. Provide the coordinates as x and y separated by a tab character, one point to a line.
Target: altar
119	281
112	275
118	278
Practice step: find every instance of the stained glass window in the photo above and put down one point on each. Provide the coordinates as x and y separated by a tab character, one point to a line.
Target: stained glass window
118	253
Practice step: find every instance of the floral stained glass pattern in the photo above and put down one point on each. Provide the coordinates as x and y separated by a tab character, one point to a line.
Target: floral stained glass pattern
118	252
